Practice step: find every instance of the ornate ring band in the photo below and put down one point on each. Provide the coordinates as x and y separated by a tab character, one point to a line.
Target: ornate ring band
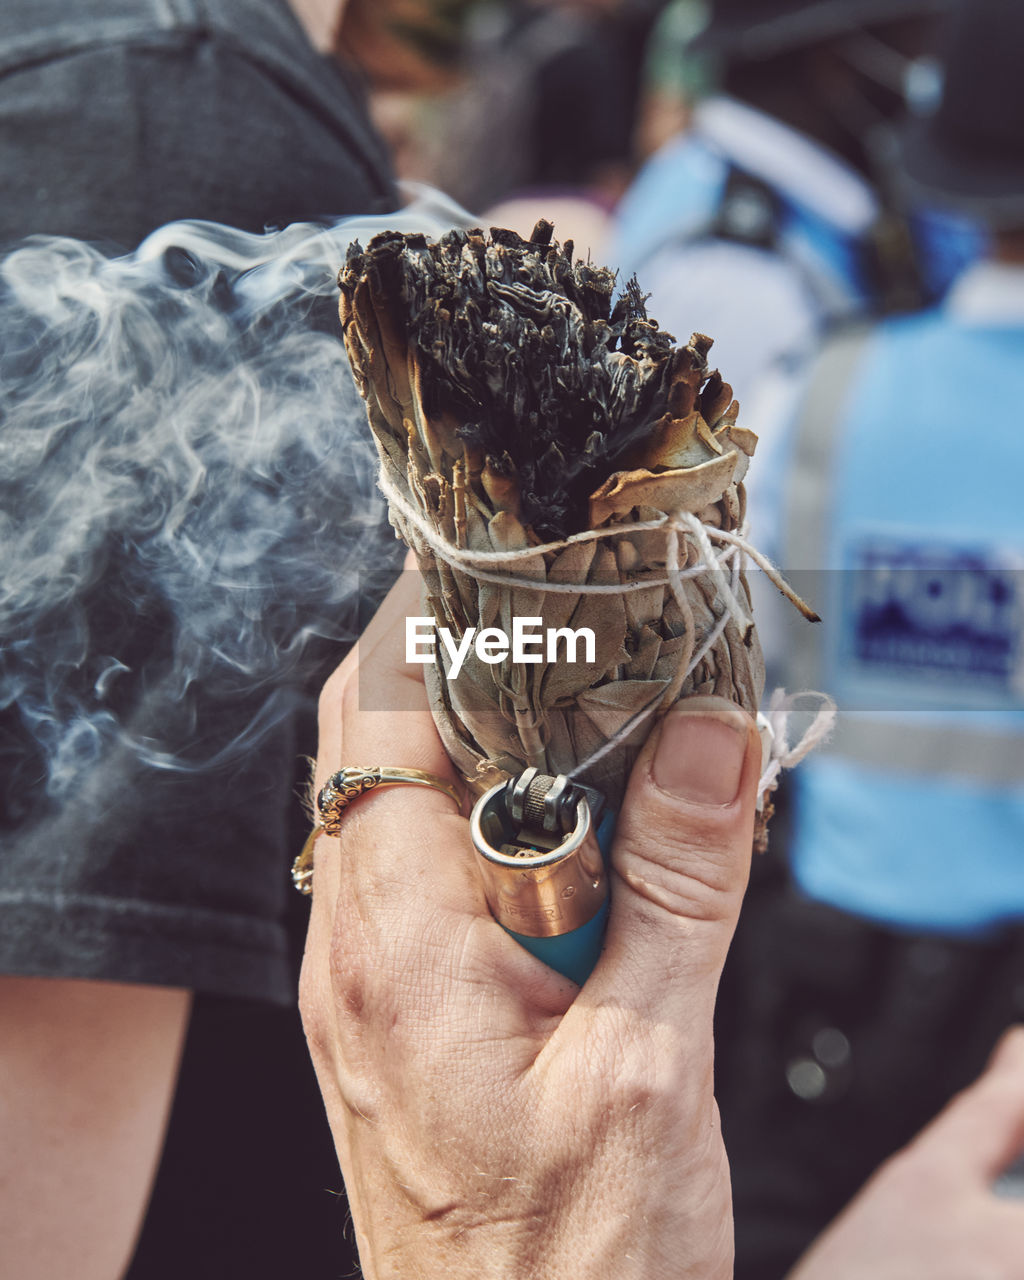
346	786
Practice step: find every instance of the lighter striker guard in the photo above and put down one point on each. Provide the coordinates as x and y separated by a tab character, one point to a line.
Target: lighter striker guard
545	883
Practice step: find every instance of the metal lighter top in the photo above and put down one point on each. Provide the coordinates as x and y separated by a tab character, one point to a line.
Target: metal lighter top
542	877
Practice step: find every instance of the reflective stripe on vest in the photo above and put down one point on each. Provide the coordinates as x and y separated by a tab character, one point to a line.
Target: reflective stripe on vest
808	491
950	745
992	759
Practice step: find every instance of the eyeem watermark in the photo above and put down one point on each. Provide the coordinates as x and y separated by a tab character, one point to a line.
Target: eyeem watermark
493	645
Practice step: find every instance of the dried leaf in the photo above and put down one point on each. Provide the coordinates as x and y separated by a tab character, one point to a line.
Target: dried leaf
514	405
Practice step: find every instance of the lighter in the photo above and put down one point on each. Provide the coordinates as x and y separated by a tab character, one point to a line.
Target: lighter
545	882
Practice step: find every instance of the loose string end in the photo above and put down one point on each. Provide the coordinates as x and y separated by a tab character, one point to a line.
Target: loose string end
774	727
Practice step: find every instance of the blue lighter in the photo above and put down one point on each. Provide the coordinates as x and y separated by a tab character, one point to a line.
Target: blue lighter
545	882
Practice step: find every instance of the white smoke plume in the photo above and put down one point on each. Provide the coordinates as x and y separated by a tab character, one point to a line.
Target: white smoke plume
187	492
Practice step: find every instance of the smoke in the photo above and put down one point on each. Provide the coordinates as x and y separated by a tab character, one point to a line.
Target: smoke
187	494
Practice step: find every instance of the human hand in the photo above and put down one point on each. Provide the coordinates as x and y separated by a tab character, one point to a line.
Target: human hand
930	1211
491	1118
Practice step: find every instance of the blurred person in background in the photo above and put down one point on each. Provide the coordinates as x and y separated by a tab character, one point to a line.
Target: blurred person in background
149	901
771	218
673	78
880	951
545	105
410	52
541	123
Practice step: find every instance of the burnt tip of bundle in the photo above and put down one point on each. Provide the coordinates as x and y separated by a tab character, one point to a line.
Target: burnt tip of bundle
541	366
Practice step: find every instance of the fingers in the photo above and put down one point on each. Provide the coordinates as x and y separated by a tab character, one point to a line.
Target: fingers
378	690
378	886
982	1129
374	711
681	857
398	903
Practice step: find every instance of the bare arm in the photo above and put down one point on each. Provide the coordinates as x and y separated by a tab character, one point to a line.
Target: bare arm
87	1074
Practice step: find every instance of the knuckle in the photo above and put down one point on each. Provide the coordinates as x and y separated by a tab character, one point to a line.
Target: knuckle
352	979
335	990
639	1090
696	841
644	1073
682	880
340	1016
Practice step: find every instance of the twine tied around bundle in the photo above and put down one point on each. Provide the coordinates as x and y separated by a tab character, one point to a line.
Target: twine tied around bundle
723	566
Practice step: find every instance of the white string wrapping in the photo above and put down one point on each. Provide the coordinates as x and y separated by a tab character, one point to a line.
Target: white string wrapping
775	725
723	566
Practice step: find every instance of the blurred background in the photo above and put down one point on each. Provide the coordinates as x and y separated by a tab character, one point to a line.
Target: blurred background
838	201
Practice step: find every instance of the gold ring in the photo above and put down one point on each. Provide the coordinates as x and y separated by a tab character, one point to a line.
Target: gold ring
346	786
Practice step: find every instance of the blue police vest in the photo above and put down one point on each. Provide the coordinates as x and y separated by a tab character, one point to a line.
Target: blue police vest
694	190
906	486
691	192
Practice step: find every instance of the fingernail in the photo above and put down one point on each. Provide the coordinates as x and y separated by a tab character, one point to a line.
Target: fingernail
701	749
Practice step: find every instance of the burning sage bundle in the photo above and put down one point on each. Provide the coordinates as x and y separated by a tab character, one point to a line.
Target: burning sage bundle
565	475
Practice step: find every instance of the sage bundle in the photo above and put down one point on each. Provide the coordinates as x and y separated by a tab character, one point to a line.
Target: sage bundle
550	454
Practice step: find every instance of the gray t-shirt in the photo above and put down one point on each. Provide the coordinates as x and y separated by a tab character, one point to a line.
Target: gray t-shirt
116	117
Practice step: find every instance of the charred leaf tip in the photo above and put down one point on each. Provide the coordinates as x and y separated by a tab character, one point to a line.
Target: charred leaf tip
701	343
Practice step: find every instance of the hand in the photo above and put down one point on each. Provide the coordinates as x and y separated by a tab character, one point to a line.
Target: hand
491	1118
930	1211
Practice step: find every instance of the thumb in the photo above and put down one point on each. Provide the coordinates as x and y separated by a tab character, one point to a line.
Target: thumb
981	1131
681	855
